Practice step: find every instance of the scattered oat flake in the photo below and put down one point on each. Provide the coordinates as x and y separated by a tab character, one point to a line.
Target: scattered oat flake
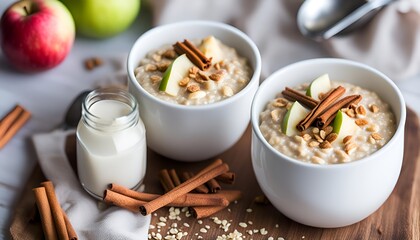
203	230
242	224
249	210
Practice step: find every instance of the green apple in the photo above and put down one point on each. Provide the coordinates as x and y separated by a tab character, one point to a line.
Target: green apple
210	47
102	18
178	70
320	85
292	118
344	126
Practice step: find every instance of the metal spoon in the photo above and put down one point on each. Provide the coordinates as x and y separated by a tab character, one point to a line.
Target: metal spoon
74	111
322	19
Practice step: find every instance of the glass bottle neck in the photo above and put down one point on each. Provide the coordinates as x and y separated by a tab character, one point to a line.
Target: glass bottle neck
110	110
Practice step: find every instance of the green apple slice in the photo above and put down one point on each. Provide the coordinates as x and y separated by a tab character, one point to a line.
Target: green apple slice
210	47
292	118
344	126
174	73
321	84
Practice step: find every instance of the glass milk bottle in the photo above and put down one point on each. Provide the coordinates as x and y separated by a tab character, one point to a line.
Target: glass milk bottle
111	142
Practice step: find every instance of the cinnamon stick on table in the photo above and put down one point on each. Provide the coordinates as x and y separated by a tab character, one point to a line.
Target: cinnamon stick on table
57	213
12	123
320	108
206	211
200	189
202	177
44	209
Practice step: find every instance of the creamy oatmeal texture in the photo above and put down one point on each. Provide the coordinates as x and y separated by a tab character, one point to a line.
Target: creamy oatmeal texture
373	116
228	74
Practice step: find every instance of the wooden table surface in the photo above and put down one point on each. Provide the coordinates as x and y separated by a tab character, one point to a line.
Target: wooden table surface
398	218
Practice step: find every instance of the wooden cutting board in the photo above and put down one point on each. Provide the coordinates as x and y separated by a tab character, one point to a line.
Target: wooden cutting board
398	218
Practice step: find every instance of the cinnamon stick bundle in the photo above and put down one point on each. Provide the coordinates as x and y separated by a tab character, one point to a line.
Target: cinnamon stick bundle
320	108
193	53
210	172
55	222
12	123
206	211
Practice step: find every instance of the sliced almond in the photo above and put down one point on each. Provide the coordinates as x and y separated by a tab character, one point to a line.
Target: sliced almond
306	136
350	112
347	139
317	160
318	138
349	148
360	110
331	137
361	122
325	145
150	67
227	91
328	129
202	75
184	82
155	78
322	134
376	136
193	88
313	144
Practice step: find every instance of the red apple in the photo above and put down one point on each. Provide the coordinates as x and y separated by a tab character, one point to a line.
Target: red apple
36	35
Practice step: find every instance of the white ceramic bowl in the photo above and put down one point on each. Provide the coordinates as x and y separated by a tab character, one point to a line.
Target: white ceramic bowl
193	133
327	195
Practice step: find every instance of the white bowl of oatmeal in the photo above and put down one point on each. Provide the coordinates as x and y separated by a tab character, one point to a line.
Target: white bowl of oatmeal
204	116
334	185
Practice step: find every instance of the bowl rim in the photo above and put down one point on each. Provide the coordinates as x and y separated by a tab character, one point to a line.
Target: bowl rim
255	116
255	77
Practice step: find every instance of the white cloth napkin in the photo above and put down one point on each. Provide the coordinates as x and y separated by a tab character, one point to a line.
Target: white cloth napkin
390	42
84	212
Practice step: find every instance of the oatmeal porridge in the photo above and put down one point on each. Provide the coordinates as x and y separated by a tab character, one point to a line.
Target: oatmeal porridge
202	71
350	126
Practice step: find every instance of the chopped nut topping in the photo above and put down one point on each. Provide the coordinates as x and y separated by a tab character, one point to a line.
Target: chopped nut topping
322	134
350	112
331	137
194	70
317	160
155	78
280	102
325	145
217	66
275	115
306	137
170	53
216	77
184	82
315	130
347	139
328	129
373	108
371	140
360	110
150	67
349	148
162	66
157	57
318	138
376	136
361	122
227	91
193	88
313	144
202	75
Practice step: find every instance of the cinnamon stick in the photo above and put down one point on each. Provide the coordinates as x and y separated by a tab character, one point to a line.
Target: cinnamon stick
320	108
213	185
201	178
44	209
327	116
203	211
166	180
12	123
193	53
228	178
71	233
56	210
200	189
293	95
174	177
186	200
